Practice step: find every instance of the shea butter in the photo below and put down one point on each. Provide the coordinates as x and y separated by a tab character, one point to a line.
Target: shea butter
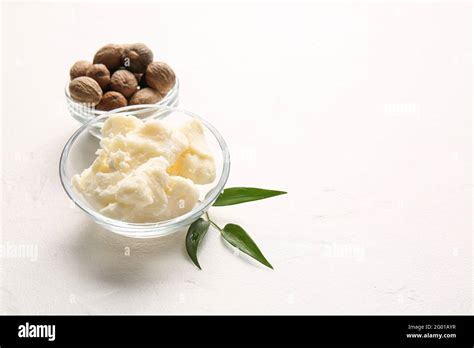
147	171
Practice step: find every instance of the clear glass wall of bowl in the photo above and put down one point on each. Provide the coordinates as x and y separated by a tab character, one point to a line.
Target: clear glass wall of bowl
83	112
79	153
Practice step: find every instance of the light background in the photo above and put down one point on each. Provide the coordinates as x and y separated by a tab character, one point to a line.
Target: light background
361	112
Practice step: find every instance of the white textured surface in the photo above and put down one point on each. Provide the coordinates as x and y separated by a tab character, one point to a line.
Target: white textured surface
361	112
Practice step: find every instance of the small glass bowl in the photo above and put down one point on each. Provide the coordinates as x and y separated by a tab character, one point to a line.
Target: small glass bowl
83	112
79	153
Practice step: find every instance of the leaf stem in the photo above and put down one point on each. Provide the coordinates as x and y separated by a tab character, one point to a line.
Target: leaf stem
212	222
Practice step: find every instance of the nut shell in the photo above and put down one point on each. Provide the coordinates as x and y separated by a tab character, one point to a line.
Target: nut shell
160	76
100	73
145	96
136	57
79	69
110	55
111	100
124	82
83	89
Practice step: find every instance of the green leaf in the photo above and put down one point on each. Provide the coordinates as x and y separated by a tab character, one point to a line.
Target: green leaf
196	233
237	195
237	237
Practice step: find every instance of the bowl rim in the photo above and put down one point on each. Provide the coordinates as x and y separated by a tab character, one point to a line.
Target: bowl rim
169	97
151	228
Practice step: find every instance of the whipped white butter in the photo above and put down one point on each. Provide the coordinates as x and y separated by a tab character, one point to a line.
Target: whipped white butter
147	171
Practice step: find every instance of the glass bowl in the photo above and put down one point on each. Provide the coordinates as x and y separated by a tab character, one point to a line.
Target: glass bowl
83	112
79	153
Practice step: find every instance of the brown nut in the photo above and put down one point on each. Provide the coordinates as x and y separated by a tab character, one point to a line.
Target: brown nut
111	100
100	73
124	81
136	57
79	69
110	55
160	76
83	89
145	96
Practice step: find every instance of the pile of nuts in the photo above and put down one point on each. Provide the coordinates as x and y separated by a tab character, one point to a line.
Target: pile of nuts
120	75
